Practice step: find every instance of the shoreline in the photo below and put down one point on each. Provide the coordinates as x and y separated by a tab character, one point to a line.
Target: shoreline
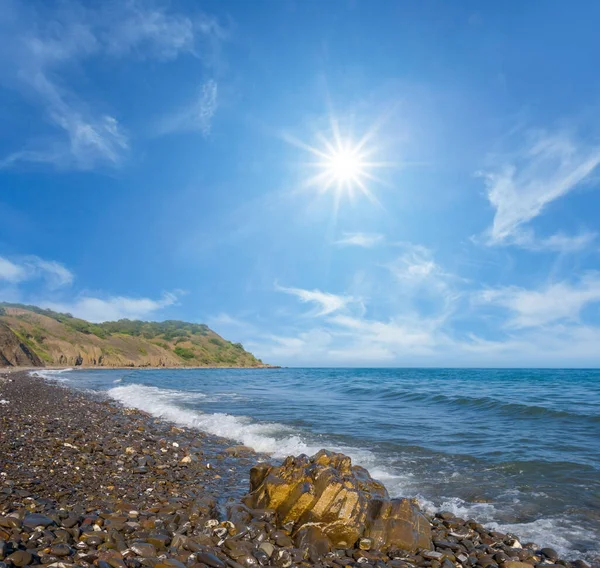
92	456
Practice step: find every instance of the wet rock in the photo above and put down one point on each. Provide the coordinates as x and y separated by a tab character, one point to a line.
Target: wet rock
144	549
314	539
20	558
36	520
60	550
549	553
210	560
514	564
340	499
267	548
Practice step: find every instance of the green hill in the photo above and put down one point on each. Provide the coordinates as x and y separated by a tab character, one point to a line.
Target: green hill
31	336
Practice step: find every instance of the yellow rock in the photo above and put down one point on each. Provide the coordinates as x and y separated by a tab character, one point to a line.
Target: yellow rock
343	501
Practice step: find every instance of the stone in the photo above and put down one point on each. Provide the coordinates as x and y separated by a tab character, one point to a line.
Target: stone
267	548
210	560
312	537
238	450
36	520
549	553
144	549
20	558
515	564
60	550
365	543
342	500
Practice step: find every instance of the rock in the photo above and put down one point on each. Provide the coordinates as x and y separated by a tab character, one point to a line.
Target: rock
282	539
312	537
514	564
21	558
36	520
144	549
365	543
267	548
342	500
60	550
210	560
549	553
238	450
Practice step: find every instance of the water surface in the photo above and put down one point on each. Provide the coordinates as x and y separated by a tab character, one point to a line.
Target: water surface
516	449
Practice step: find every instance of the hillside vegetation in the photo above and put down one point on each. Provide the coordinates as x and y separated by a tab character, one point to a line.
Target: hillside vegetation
31	336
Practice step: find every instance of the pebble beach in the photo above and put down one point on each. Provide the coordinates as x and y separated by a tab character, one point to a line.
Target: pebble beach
87	482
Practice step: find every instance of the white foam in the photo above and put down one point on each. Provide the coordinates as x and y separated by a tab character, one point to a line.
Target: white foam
556	532
272	438
51	374
280	441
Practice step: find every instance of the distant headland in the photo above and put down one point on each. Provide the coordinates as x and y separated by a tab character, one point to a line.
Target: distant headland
36	337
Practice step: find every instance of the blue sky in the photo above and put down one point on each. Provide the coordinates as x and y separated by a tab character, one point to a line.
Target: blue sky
179	160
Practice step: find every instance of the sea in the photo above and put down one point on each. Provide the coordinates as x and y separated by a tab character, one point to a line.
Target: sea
515	449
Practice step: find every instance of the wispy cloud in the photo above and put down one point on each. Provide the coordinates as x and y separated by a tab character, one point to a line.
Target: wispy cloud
113	307
559	242
547	168
364	240
557	302
326	303
32	267
47	42
415	264
196	116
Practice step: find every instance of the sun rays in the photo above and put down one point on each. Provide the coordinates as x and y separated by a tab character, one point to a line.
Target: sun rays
343	166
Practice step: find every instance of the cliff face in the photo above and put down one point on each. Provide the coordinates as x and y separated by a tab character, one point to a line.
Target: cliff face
30	336
15	353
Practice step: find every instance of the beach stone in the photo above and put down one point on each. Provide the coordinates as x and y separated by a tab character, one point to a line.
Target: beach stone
514	564
267	548
10	522
549	553
36	520
20	558
312	537
210	560
342	500
144	549
60	550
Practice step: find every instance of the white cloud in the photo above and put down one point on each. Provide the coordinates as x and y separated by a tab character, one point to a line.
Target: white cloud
365	240
11	272
112	308
549	167
46	41
326	303
559	301
398	336
196	116
558	242
416	264
33	267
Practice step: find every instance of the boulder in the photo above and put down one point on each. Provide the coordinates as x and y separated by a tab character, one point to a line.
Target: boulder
343	501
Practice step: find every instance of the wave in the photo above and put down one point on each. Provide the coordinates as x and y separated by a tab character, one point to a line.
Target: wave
271	438
513	409
52	374
562	533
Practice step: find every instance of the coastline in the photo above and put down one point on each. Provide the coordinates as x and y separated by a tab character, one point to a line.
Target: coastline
73	454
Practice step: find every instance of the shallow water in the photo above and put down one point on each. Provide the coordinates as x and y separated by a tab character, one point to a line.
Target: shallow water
516	449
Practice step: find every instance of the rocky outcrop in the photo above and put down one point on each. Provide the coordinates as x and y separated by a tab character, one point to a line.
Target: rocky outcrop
326	496
14	352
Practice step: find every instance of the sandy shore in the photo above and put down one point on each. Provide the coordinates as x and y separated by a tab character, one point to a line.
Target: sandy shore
85	482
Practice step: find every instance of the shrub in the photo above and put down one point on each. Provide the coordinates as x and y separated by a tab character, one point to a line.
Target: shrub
184	353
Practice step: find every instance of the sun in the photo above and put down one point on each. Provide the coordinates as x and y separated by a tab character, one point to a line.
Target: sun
345	166
342	165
